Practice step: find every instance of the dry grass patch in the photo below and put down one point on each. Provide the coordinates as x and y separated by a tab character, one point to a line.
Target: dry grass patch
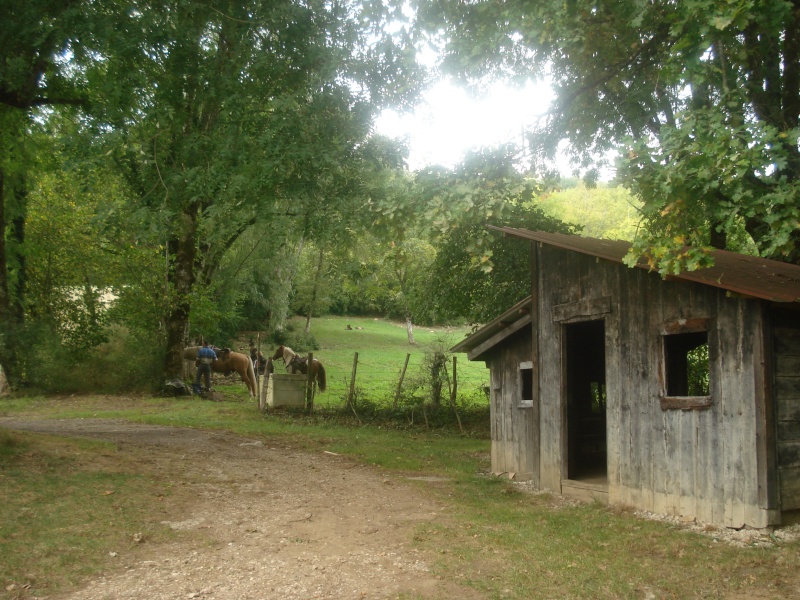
67	506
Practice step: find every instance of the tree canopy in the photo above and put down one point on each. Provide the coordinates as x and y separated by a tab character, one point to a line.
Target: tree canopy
215	164
700	100
217	119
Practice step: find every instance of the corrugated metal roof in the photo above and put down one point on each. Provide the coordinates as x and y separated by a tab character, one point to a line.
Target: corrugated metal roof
738	273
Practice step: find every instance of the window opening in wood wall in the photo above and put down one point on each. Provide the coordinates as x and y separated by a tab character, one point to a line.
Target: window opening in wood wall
526	381
686	364
598	390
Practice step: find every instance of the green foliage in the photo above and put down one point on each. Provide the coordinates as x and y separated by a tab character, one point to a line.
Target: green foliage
314	283
224	137
295	339
603	211
704	182
124	363
698	371
477	273
428	254
700	101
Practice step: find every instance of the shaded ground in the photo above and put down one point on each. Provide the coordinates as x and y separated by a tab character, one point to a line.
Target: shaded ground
264	522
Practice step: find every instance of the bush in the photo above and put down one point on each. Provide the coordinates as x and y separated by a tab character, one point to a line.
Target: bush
122	364
298	341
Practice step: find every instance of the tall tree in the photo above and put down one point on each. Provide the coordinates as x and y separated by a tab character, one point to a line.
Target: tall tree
476	273
244	113
700	99
47	50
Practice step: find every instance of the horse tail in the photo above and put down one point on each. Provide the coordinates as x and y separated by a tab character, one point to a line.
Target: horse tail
251	375
321	377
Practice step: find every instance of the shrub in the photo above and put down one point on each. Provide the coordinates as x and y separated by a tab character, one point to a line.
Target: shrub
121	364
298	341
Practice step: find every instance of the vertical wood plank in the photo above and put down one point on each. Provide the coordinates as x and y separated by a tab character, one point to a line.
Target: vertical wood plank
614	394
535	357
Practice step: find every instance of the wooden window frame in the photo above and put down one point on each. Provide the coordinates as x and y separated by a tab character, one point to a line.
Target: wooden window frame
681	402
525	402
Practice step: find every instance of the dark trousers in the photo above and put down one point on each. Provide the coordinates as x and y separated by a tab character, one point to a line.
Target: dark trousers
204	370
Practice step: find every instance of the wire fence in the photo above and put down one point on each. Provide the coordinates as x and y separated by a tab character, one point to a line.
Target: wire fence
395	381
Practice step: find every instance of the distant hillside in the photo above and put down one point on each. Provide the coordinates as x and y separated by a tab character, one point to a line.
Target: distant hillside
604	212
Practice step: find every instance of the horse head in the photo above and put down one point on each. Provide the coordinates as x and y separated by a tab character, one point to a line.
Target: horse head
278	353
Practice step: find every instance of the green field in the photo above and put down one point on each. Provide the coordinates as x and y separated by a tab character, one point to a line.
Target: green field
382	347
501	541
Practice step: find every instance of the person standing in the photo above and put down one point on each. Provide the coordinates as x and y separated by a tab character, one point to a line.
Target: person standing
205	356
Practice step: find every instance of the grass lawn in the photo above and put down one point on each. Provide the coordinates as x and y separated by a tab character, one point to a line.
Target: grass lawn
501	540
382	347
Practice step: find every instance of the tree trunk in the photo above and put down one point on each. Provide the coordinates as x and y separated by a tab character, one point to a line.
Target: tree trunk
12	301
280	301
182	280
718	239
410	330
312	303
5	299
18	232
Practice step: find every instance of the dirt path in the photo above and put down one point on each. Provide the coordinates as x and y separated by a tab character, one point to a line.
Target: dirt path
264	522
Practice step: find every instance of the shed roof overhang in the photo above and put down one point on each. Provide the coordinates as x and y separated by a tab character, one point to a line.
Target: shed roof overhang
748	276
740	274
495	331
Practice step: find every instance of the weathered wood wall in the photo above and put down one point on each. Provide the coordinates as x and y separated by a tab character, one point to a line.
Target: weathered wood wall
786	337
514	428
700	463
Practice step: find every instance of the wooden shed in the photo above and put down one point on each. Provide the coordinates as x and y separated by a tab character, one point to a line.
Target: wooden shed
677	396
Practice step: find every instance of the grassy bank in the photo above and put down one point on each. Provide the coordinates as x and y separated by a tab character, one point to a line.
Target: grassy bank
382	347
502	540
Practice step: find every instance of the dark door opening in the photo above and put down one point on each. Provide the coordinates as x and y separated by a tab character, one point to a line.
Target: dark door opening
586	401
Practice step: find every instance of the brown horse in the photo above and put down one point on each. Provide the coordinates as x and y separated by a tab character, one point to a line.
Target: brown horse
260	364
227	362
297	364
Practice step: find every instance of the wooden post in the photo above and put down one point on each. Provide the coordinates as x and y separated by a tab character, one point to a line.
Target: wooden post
453	395
310	384
400	383
454	390
353	380
262	394
258	353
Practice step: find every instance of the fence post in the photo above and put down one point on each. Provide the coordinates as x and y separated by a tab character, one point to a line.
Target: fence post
258	360
400	383
453	396
310	384
455	382
353	380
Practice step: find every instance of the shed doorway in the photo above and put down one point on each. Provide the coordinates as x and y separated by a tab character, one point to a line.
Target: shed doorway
585	400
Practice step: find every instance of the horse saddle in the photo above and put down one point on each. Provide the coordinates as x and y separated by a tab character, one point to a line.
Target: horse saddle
300	364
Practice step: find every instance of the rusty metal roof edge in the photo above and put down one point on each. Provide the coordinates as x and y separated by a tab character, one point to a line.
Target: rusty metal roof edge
544	237
722	257
497	324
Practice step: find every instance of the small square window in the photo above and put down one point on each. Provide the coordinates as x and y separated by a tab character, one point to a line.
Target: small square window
686	364
526	384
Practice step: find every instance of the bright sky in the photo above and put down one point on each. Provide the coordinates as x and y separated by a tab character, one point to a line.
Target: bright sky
450	121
